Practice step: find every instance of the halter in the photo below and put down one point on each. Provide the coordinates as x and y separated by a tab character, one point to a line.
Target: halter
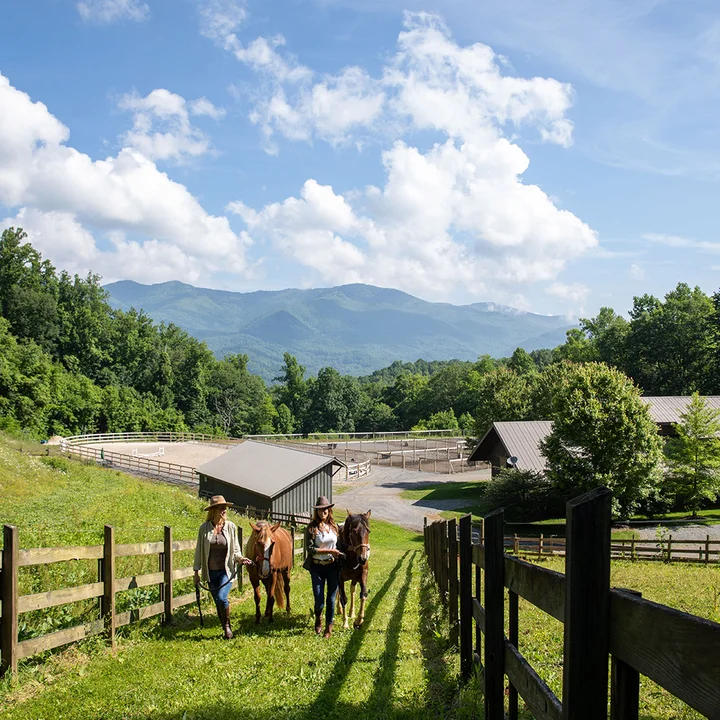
261	559
355	548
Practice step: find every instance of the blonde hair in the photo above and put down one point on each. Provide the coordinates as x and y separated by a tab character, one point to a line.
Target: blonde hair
215	517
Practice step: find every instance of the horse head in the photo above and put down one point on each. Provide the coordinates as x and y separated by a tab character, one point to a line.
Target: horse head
264	539
356	535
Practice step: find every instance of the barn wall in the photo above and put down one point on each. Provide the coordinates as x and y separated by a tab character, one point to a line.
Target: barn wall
232	493
300	498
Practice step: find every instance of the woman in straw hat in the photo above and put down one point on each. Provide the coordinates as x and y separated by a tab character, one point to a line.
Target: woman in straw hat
323	553
217	552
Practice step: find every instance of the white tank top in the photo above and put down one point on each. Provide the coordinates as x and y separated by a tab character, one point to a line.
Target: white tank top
325	541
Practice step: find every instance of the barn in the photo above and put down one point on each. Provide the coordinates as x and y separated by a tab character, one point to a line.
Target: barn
270	478
520	439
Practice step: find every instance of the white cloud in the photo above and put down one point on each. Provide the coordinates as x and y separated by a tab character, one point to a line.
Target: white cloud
220	18
636	272
109	11
64	189
455	215
574	292
162	129
431	83
679	241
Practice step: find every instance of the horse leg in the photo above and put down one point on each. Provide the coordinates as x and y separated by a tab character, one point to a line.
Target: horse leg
286	585
270	590
256	593
363	597
351	614
340	606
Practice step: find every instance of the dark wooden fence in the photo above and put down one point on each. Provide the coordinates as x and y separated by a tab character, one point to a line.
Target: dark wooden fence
678	651
106	588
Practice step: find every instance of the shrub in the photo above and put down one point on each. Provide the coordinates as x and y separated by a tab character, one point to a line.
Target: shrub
524	494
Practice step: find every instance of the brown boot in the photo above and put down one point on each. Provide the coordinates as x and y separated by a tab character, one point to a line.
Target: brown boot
226	624
318	623
328	630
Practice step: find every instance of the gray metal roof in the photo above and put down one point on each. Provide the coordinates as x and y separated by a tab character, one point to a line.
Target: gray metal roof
520	439
265	468
668	409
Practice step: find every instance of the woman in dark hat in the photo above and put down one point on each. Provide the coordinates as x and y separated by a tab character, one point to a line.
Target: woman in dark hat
323	553
217	553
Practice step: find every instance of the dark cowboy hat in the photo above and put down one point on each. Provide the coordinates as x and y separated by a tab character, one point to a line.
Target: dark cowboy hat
322	503
218	501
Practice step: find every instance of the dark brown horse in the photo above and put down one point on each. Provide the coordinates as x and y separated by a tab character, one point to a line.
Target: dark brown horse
355	542
270	548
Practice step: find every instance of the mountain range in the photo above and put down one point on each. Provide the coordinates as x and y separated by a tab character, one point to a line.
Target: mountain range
354	328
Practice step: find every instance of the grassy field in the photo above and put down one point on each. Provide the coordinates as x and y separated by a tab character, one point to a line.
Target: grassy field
398	665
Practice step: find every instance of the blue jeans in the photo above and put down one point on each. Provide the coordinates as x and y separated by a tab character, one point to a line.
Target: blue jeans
320	575
220	596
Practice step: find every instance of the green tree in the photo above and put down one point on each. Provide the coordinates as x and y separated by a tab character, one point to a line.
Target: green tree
284	422
500	395
693	456
334	400
602	434
672	346
293	389
522	363
405	396
443	420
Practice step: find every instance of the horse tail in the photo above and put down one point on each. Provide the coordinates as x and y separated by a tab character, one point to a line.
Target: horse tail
280	590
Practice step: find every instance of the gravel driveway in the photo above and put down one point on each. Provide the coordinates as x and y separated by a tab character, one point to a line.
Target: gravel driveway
381	494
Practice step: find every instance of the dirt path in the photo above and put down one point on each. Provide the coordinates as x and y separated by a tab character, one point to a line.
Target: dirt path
381	494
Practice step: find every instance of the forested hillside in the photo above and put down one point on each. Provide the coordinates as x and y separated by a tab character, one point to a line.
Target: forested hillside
71	363
353	328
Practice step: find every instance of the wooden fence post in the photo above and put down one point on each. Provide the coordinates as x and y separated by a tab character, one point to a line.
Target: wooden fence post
242	550
168	570
587	606
453	585
444	560
108	598
8	655
292	544
494	616
466	614
624	685
513	637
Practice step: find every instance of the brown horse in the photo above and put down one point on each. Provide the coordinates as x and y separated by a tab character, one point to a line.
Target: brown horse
355	542
271	550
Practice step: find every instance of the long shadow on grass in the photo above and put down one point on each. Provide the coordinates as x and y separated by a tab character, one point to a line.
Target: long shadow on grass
329	692
380	698
442	685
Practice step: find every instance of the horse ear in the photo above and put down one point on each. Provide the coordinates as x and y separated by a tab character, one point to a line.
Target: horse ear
348	512
254	527
367	514
275	526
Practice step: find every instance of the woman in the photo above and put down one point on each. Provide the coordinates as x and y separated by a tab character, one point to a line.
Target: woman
216	553
321	540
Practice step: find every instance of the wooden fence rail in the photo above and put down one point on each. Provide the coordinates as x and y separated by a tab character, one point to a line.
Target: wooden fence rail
678	651
666	549
105	589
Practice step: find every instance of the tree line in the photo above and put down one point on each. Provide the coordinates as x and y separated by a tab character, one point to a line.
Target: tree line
70	363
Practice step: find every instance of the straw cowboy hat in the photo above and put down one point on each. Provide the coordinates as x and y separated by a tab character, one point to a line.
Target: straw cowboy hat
218	501
322	503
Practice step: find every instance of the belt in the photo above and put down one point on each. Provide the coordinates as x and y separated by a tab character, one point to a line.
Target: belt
323	562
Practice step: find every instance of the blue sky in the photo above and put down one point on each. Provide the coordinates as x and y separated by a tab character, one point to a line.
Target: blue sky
553	155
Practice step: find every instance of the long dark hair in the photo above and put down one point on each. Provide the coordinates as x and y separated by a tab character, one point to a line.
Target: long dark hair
315	524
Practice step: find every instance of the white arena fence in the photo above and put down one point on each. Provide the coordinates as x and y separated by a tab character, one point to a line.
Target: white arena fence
156	437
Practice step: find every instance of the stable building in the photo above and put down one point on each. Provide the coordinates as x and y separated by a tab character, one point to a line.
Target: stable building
275	479
516	444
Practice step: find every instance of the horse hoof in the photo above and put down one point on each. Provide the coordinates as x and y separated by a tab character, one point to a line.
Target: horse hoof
357	624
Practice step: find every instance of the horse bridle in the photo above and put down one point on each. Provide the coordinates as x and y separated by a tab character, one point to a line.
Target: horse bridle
260	559
355	548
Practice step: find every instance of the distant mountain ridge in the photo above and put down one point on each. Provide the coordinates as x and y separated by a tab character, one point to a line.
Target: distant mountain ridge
354	328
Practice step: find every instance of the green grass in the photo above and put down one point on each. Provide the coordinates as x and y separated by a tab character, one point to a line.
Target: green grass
692	588
398	665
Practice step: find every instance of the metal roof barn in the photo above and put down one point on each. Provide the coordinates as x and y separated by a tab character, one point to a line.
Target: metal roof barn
520	439
265	476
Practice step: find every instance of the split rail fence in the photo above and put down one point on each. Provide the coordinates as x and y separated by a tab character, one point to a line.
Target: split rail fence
678	651
696	550
106	589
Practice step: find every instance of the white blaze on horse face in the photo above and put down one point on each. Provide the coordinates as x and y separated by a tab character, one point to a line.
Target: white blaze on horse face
266	559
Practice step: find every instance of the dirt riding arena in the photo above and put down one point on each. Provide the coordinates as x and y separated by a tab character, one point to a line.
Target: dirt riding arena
440	455
192	454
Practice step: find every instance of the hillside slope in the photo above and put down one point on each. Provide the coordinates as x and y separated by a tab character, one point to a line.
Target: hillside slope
354	328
